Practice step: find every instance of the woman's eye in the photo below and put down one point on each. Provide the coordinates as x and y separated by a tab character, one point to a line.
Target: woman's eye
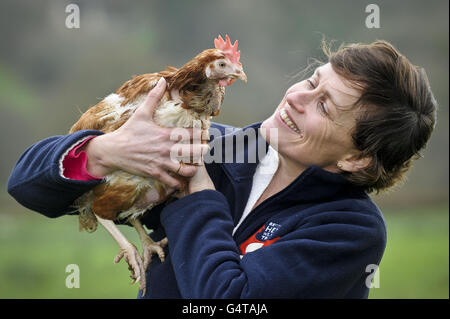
322	108
320	104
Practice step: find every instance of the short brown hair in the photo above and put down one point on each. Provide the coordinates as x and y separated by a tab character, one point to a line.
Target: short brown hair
398	110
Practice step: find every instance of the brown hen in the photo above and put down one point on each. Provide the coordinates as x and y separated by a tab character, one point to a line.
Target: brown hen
194	93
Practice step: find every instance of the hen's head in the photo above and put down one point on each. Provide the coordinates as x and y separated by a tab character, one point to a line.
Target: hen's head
223	65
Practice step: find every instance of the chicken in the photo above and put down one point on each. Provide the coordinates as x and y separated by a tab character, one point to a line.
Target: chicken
194	93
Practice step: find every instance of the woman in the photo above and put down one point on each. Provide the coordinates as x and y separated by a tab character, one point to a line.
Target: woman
296	224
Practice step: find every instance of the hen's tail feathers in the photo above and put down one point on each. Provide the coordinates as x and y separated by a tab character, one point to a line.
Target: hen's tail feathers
86	217
88	221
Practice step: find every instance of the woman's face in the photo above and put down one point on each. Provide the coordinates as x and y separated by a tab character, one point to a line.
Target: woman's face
314	121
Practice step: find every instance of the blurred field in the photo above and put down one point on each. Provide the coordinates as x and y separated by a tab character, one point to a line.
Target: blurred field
415	262
35	251
50	73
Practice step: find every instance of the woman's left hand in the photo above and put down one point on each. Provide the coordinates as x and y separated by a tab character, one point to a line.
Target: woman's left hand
200	181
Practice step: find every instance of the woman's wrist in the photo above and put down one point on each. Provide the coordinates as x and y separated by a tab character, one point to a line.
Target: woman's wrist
200	181
201	187
97	153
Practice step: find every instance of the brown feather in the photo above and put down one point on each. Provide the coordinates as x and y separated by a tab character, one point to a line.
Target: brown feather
91	119
110	200
192	74
137	86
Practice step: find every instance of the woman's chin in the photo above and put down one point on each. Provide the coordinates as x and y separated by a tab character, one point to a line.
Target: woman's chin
269	131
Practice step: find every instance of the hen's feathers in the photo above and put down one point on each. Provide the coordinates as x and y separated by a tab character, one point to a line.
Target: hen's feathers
106	116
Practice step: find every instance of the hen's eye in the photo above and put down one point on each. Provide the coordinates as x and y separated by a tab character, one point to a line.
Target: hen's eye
222	64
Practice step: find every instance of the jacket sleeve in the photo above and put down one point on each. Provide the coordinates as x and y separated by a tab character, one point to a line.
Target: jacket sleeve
37	180
321	258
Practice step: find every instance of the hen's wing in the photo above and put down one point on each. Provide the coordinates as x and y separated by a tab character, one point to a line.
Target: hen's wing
114	110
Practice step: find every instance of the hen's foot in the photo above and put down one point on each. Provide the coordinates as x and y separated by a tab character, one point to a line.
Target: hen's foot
149	247
135	265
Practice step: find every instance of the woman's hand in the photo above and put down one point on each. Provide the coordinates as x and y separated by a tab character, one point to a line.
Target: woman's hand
142	147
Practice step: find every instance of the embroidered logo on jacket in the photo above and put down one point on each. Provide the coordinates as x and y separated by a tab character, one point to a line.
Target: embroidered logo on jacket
263	237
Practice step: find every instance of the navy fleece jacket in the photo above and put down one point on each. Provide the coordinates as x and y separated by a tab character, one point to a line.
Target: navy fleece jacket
314	239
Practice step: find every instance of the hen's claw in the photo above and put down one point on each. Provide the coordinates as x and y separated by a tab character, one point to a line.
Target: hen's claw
149	247
135	265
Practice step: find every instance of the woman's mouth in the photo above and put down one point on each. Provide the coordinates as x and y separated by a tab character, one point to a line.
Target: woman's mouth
285	119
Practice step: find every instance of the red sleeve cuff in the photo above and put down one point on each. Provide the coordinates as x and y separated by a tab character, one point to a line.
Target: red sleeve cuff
74	163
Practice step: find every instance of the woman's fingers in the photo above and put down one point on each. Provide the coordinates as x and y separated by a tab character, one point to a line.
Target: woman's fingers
180	168
188	153
169	180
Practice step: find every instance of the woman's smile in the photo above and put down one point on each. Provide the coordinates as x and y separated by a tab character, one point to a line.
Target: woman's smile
284	117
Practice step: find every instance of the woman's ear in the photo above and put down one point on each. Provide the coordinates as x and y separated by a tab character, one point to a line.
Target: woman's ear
354	163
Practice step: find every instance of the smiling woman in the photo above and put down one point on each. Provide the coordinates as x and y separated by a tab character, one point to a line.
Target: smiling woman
355	115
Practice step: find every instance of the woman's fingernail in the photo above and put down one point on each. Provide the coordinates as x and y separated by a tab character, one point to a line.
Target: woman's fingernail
205	149
160	82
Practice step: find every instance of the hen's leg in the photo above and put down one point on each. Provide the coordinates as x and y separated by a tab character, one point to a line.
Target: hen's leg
127	250
149	247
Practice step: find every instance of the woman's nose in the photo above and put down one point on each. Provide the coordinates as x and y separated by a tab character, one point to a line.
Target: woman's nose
298	100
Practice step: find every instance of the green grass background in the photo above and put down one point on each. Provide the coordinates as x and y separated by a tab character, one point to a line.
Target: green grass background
35	251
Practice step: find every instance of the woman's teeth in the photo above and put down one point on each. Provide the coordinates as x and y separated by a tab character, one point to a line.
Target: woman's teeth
288	121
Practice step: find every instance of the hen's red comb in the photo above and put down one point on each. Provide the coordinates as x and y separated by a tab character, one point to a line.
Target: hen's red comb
229	50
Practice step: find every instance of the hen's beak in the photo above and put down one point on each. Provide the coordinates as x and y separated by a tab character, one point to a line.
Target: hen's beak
240	74
243	76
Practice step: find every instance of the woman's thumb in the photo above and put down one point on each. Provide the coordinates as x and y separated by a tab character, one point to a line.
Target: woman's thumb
153	98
